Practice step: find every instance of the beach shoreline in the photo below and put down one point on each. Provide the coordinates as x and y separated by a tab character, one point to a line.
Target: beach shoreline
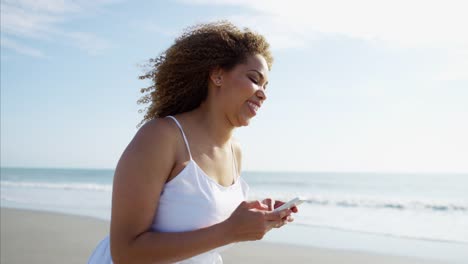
29	236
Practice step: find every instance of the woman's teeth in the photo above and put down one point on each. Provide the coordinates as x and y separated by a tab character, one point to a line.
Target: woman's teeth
253	106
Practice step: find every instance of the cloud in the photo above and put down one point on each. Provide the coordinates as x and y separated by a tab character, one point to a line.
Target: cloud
22	49
90	43
48	6
279	34
43	20
399	24
22	22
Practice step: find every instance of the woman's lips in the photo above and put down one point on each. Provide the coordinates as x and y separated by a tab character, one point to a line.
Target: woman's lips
253	106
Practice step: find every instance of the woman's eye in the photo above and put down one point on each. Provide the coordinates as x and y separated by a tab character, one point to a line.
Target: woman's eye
253	80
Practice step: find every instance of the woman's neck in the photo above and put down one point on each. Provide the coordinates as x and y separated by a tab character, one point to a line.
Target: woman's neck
213	125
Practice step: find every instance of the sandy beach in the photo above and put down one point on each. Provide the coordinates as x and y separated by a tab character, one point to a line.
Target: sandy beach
42	237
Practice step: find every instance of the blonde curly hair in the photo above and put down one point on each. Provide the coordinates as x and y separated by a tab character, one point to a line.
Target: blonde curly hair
179	76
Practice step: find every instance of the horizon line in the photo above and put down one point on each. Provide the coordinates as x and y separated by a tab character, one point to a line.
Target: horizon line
264	171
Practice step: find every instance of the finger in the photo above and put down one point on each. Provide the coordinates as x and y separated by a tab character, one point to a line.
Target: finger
269	202
273	224
256	205
278	204
277	216
279	225
287	217
294	209
271	205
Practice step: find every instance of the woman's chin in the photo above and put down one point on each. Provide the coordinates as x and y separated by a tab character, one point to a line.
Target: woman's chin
244	121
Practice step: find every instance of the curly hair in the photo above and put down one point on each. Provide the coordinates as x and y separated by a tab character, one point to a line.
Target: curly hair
180	75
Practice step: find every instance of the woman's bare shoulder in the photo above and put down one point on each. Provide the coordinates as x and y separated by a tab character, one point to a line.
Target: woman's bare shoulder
156	131
153	139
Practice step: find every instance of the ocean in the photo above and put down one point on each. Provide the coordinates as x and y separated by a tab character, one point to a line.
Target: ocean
421	209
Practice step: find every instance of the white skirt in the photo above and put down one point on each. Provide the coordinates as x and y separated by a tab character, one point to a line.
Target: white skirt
101	254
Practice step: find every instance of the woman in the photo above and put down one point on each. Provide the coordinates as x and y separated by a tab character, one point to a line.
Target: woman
177	194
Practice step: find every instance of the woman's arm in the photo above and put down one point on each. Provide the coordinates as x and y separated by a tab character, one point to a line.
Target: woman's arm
246	223
139	178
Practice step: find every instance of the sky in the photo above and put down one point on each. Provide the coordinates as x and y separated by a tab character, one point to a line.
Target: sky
356	86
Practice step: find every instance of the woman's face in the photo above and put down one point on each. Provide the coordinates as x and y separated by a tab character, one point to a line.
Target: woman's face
242	90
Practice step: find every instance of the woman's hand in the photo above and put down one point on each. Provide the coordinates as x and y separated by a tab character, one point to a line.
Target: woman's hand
272	205
252	220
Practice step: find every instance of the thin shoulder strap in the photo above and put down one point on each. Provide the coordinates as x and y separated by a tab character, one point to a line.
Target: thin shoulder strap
235	162
183	134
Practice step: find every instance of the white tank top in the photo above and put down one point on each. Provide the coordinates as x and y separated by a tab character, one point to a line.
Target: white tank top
193	200
190	201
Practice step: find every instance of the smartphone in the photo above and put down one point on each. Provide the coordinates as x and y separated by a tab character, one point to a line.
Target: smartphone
294	202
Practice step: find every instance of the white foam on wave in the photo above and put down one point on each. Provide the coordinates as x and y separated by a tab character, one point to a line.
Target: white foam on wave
427	225
63	186
373	202
411	217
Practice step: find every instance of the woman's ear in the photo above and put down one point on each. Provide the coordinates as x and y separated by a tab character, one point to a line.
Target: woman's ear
216	76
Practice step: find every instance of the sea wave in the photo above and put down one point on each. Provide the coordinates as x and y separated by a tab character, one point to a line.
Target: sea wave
447	238
374	202
342	201
64	186
393	204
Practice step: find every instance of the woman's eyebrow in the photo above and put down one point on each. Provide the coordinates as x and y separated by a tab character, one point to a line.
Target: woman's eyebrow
261	74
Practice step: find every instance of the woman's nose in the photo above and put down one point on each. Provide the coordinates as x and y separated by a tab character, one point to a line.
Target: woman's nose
261	94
